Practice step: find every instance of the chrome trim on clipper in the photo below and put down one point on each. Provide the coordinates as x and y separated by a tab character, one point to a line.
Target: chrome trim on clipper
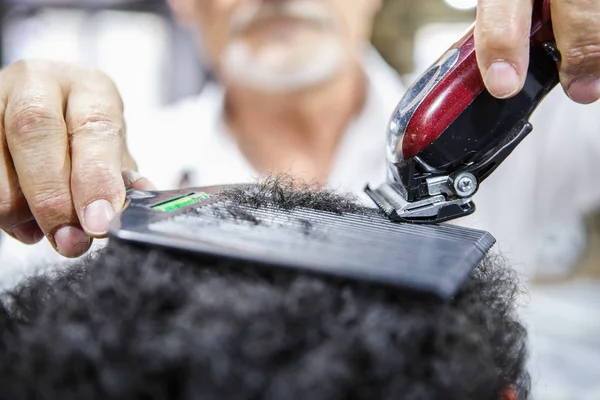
388	197
411	101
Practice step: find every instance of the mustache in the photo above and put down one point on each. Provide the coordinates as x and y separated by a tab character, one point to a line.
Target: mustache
249	15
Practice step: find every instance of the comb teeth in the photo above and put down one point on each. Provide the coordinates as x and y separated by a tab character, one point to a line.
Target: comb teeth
435	259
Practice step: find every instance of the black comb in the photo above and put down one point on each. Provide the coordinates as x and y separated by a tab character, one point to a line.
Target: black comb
364	246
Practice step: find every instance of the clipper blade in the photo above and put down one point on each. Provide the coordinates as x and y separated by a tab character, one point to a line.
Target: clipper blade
362	246
390	197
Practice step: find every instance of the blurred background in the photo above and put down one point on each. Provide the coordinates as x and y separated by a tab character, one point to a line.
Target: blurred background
101	33
155	63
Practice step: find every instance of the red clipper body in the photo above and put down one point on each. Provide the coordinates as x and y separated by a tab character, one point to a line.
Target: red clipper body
448	133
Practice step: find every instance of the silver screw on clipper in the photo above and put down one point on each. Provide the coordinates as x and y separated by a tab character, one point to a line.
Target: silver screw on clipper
465	184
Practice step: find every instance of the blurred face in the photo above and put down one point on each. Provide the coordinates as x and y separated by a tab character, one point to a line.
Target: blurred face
279	45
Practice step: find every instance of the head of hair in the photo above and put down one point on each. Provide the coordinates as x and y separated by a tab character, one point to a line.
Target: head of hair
139	323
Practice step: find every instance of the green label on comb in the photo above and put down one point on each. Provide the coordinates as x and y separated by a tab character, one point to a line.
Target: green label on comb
180	202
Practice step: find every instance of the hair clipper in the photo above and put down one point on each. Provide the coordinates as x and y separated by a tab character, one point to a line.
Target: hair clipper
448	133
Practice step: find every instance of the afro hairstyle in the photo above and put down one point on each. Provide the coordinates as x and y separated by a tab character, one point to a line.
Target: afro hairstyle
138	323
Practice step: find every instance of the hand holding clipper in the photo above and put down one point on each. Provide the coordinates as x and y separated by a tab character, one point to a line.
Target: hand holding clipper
449	133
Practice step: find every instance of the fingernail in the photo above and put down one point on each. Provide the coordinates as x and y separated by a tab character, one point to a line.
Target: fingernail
71	241
97	217
502	80
584	90
28	232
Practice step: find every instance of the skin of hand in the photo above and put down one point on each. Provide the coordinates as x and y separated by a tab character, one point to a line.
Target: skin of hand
64	165
502	45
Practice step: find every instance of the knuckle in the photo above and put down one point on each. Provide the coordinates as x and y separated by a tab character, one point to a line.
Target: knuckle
51	205
95	76
24	66
582	59
38	66
96	122
99	177
27	67
33	118
494	37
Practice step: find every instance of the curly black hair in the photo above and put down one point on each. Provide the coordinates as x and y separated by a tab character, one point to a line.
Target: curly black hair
134	323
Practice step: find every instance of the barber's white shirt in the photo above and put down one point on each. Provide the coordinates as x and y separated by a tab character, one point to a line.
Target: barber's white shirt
532	204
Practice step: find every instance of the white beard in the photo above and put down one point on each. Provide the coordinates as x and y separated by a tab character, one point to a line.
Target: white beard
266	70
274	66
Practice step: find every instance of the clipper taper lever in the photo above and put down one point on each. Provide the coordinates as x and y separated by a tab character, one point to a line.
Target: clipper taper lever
449	133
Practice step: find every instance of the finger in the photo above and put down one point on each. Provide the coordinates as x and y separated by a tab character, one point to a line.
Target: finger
15	217
94	118
134	180
28	232
577	29
38	144
502	44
